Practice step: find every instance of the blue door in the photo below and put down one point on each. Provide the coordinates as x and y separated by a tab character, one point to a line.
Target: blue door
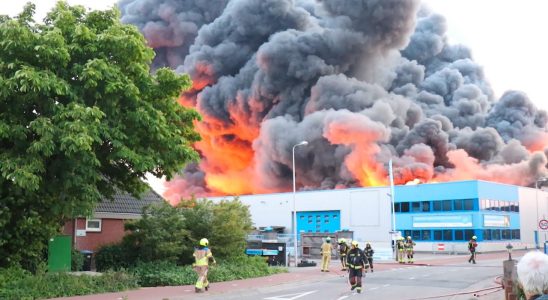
319	221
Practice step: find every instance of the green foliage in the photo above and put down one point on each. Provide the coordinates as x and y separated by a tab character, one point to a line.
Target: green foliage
16	283
161	234
80	118
77	260
111	257
167	233
168	274
225	224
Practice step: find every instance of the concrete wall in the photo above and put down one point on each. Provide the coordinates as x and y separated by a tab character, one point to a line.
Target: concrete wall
533	207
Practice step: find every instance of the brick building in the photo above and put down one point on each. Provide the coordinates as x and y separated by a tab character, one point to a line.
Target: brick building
107	224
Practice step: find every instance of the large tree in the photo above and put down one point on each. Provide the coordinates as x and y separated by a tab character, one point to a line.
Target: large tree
80	117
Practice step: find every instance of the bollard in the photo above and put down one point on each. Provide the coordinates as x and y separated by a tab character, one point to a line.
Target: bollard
508	278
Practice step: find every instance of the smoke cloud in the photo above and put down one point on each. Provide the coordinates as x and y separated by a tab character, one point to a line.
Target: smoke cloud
363	81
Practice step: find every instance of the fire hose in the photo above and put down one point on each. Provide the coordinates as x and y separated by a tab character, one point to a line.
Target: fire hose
476	293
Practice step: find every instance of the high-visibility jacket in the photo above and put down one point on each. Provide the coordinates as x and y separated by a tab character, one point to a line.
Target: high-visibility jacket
326	249
409	244
356	259
343	249
369	252
202	256
472	245
400	244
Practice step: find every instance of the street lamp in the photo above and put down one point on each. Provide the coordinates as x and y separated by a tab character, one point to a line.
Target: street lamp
303	143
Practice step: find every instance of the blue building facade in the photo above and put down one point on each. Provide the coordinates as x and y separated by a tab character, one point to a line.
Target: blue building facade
456	211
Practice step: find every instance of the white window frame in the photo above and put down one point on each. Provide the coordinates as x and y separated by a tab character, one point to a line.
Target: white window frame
93	229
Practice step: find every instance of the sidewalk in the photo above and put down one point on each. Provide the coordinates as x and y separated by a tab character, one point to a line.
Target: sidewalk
309	274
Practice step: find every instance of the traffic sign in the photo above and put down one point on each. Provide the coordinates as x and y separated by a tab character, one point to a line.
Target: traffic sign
543	224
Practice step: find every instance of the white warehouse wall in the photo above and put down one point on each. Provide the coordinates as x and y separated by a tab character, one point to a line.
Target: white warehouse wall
533	206
366	211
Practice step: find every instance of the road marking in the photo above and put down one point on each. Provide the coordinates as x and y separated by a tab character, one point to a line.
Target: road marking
342	297
426	275
411	278
372	289
290	296
385	285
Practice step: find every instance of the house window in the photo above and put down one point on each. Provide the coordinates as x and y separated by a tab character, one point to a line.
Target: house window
93	225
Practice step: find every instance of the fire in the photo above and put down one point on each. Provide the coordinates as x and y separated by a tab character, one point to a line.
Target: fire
362	135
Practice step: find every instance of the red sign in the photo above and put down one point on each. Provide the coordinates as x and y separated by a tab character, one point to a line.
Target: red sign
543	224
441	247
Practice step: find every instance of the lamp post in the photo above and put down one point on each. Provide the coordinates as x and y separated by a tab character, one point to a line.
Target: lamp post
540	180
392	200
295	243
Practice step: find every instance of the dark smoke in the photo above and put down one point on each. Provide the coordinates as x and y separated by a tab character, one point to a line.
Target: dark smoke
363	81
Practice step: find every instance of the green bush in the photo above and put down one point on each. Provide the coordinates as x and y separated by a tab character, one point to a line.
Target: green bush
111	257
168	274
18	284
161	234
77	260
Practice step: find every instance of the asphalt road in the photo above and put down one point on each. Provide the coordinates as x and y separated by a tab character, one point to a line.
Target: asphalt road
405	283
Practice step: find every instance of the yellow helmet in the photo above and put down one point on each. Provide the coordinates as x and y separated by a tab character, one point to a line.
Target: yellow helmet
401	238
204	242
355	244
474	237
341	240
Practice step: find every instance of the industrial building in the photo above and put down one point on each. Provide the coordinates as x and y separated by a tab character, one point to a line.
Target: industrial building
439	216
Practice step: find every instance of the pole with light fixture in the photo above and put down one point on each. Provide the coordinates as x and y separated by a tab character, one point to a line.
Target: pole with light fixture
295	242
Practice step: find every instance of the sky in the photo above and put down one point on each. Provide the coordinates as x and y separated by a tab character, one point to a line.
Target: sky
505	37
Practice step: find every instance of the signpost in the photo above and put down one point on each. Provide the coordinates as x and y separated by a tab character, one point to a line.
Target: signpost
543	224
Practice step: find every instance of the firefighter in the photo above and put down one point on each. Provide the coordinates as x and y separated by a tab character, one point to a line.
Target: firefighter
326	254
369	254
472	245
343	250
356	262
409	244
400	245
203	257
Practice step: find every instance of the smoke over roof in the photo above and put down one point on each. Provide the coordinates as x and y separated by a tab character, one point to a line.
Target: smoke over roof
363	81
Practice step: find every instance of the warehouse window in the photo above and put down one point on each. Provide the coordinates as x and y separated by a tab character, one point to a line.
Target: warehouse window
468	204
446	205
459	235
426	235
397	207
458	204
415	206
506	235
468	234
425	206
447	235
405	207
487	234
515	234
437	235
406	233
437	205
416	235
495	234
